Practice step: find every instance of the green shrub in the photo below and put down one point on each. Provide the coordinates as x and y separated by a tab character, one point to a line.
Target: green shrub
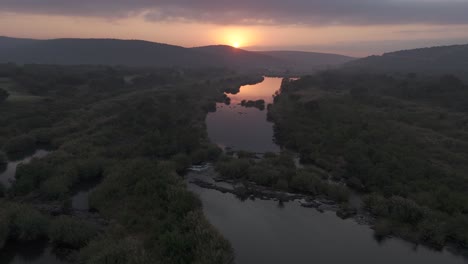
90	169
3	159
263	175
20	144
29	224
116	250
56	187
71	232
234	168
30	176
182	162
4	228
3	95
21	222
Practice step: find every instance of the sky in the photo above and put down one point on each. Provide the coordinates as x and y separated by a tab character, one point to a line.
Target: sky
350	27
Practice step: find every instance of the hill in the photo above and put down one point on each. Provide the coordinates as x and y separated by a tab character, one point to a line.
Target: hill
438	60
144	53
97	51
228	55
308	60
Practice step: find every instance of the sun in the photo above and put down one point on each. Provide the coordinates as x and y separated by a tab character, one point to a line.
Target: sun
236	45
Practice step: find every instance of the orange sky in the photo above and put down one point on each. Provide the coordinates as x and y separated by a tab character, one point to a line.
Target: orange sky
358	40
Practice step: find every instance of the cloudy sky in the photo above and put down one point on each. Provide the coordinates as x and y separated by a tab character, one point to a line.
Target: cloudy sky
354	27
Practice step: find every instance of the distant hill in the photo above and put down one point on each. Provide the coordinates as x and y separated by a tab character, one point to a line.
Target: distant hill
144	53
441	60
98	51
308	60
228	55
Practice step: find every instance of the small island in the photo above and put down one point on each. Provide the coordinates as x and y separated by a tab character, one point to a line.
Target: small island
259	104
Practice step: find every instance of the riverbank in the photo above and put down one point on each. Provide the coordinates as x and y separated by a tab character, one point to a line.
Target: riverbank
134	136
208	178
270	231
358	137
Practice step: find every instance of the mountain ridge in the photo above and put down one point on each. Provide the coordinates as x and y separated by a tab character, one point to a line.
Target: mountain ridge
438	59
109	51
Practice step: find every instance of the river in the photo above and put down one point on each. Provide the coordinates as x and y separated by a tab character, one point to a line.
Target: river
266	232
38	252
241	128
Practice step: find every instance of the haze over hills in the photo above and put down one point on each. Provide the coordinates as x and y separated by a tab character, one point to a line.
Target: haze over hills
144	53
227	55
439	60
301	59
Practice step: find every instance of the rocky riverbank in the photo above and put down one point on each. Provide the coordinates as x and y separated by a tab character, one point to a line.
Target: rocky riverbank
206	177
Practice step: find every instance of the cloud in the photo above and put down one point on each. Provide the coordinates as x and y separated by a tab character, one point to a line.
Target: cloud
269	12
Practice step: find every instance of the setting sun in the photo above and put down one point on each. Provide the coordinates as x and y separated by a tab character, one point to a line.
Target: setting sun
237	37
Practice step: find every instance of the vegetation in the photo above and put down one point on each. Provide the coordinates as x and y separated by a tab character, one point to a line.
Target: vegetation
434	60
21	222
3	159
260	104
131	129
279	172
395	136
20	145
70	232
3	95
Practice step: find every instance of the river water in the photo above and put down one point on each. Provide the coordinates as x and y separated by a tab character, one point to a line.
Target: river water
242	128
35	252
265	232
8	175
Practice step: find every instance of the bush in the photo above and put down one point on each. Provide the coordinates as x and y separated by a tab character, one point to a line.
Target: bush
209	153
234	168
56	187
3	159
116	250
382	228
3	95
182	162
3	162
29	224
21	222
263	175
20	145
90	169
70	232
30	176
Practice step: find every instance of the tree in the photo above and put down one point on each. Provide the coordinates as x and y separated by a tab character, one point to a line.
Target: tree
3	95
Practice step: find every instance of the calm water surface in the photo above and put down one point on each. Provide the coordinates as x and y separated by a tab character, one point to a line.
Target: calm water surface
80	200
243	128
264	232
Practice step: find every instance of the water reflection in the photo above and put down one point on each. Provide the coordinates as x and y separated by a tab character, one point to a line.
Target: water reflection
243	128
80	200
264	232
7	176
268	232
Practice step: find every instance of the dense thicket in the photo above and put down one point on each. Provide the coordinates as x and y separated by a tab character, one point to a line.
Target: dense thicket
3	95
279	171
131	129
401	137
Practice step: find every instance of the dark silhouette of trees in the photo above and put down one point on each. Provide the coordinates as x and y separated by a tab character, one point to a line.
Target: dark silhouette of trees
3	95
